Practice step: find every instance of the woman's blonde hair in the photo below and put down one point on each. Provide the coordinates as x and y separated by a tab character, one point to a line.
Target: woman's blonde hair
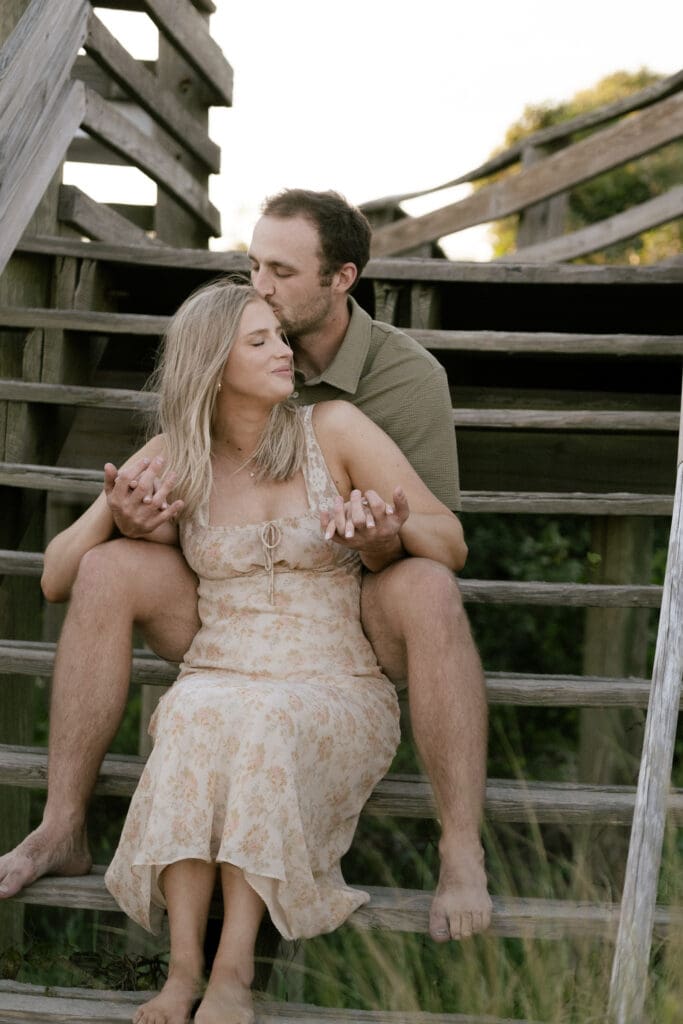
192	358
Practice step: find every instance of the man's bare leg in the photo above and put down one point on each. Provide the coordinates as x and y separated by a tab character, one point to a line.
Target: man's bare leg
414	618
119	583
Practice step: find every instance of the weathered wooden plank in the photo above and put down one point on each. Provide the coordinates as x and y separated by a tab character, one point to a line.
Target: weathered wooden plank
37	659
404	796
84	320
390	269
638	134
23	1002
498	419
398	910
598	236
566	419
103	121
188	32
631	959
549	343
96	220
573	595
69	394
45	143
141	83
88	482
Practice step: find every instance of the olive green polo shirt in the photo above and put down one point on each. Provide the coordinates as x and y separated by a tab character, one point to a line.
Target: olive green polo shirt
400	386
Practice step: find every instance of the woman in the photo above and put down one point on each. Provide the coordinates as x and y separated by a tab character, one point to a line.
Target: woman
280	723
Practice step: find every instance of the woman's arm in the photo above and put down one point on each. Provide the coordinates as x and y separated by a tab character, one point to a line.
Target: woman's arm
97	524
363	460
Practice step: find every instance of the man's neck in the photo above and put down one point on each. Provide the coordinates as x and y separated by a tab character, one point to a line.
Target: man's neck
315	350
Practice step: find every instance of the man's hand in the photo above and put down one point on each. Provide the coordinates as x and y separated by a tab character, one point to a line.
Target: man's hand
138	497
367	524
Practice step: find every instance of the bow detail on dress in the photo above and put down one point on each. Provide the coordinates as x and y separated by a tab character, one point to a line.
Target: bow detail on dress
271	535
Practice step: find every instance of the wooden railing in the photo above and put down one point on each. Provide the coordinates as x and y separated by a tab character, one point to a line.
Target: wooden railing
655	118
42	107
634	938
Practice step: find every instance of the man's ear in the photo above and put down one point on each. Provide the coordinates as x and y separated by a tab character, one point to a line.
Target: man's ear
345	277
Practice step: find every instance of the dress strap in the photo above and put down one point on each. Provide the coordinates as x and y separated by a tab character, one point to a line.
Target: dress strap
319	483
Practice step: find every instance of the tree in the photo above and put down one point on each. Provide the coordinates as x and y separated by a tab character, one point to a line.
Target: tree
610	193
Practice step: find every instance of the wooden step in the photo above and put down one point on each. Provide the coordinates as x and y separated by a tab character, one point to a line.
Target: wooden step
31	658
88	482
391	269
402	910
649	421
574	595
401	796
544	343
43	1005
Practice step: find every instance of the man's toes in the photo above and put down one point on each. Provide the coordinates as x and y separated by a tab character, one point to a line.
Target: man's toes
439	929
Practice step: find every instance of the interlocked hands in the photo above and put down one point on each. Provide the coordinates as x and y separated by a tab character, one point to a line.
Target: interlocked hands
138	496
367	524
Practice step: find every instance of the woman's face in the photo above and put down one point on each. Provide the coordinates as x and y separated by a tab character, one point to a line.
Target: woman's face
260	363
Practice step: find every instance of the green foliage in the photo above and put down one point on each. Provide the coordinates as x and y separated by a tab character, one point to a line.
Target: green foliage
610	193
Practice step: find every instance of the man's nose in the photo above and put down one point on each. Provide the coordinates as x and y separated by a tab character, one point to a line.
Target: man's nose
262	281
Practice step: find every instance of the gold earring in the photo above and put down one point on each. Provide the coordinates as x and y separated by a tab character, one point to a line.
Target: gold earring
220	386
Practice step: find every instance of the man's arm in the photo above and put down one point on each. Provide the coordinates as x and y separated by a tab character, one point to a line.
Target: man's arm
104	517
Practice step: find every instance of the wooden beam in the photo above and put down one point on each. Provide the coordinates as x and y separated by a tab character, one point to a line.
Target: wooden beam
96	220
188	32
397	269
547	342
599	236
84	320
634	940
142	85
630	138
104	122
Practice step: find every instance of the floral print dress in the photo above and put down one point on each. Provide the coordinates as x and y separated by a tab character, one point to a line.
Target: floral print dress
277	729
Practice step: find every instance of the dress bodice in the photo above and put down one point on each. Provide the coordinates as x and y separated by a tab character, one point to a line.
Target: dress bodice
277	592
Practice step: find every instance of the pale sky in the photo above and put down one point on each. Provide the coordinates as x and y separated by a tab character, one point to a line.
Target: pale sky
376	97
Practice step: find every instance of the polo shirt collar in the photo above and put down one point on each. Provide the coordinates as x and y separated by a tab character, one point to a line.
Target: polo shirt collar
344	372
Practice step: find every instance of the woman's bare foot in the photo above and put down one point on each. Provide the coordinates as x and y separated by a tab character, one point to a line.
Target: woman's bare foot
50	850
227	1000
174	1003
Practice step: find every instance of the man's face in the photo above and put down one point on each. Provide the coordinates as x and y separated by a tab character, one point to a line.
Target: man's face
285	271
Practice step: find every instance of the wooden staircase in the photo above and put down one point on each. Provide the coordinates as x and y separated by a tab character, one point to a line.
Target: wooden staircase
566	394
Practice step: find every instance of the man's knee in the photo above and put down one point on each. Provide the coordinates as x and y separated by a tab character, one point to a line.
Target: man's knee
415	590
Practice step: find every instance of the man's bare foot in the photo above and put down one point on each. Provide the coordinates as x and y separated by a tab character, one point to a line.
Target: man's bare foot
174	1003
461	906
227	1000
47	851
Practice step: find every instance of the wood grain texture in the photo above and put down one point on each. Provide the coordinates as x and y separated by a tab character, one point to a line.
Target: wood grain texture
188	32
402	796
96	220
142	86
23	1002
520	688
634	136
84	320
549	342
632	953
104	122
618	228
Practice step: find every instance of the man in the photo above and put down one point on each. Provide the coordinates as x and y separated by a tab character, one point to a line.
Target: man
307	252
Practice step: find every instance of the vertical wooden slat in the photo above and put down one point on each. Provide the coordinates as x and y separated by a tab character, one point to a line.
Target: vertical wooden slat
628	987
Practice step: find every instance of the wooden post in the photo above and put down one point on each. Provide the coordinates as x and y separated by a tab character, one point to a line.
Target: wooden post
628	986
173	224
544	220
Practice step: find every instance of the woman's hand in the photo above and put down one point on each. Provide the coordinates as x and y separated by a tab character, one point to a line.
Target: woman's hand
367	524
